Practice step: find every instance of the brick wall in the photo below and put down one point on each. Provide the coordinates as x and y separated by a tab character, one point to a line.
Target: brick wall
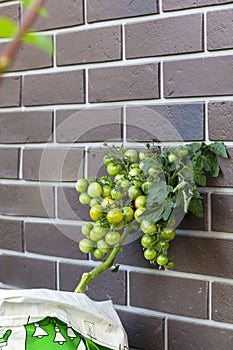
125	71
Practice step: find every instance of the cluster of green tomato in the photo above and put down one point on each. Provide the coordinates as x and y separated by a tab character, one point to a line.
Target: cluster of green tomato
118	199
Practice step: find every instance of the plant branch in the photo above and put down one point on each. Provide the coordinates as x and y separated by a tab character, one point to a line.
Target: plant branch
9	52
105	265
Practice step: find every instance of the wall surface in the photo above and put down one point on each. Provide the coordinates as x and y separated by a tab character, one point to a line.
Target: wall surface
125	71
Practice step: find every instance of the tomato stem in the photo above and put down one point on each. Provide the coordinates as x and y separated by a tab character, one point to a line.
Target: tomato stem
87	277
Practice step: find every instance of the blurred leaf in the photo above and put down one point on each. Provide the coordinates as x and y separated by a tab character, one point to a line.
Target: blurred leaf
42	11
41	41
218	148
7	28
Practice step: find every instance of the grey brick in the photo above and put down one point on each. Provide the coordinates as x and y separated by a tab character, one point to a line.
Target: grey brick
10	92
222	302
210	76
9	163
53	164
22	272
106	286
103	125
10	12
26	127
102	10
222	219
194	336
26	200
163	36
136	82
11	235
55	240
174	295
220	30
220	121
169	5
165	122
88	46
54	88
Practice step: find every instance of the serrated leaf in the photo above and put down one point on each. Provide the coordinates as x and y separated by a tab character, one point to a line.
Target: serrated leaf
40	41
169	205
218	148
193	147
7	28
196	207
199	176
153	214
157	194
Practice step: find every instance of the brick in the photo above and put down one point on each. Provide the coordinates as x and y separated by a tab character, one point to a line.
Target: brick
53	240
194	336
139	330
9	163
103	125
95	166
88	46
162	37
222	302
11	235
22	272
27	200
220	121
106	286
53	164
174	122
225	177
26	127
69	206
222	219
219	30
169	5
10	12
132	253
102	10
61	14
198	77
203	256
10	92
136	82
54	88
174	295
192	222
29	57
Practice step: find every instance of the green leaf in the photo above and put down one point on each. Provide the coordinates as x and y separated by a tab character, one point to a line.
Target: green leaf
194	147
42	11
218	148
199	176
157	194
196	207
40	41
153	214
7	28
169	205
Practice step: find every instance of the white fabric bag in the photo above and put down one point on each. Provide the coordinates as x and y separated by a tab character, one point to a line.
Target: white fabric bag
43	319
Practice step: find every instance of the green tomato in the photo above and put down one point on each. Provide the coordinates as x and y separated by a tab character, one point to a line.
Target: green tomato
150	254
125	184
134	192
97	233
139	212
162	245
140	201
148	227
103	246
108	159
135	172
86	245
153	171
94	190
115	216
81	185
128	214
146	185
183	152
86	228
143	155
94	201
112	238
131	155
147	240
169	265
106	191
98	254
116	194
84	198
119	177
162	259
172	158
96	212
168	234
114	169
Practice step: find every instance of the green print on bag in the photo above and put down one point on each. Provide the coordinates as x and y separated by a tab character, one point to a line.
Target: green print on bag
53	334
4	339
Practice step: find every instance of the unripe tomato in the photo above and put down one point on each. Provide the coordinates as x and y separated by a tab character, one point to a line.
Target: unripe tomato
162	245
116	194
84	198
134	172
119	177
128	214
103	246
97	233
86	228
98	254
150	254
81	185
168	234
183	152
147	240
112	238
162	259
94	201
146	185
139	212
96	212
115	216
148	227
140	201
143	155
114	169
134	192
125	184
106	191
131	155
94	190
108	159
169	265
86	245
107	202
172	158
